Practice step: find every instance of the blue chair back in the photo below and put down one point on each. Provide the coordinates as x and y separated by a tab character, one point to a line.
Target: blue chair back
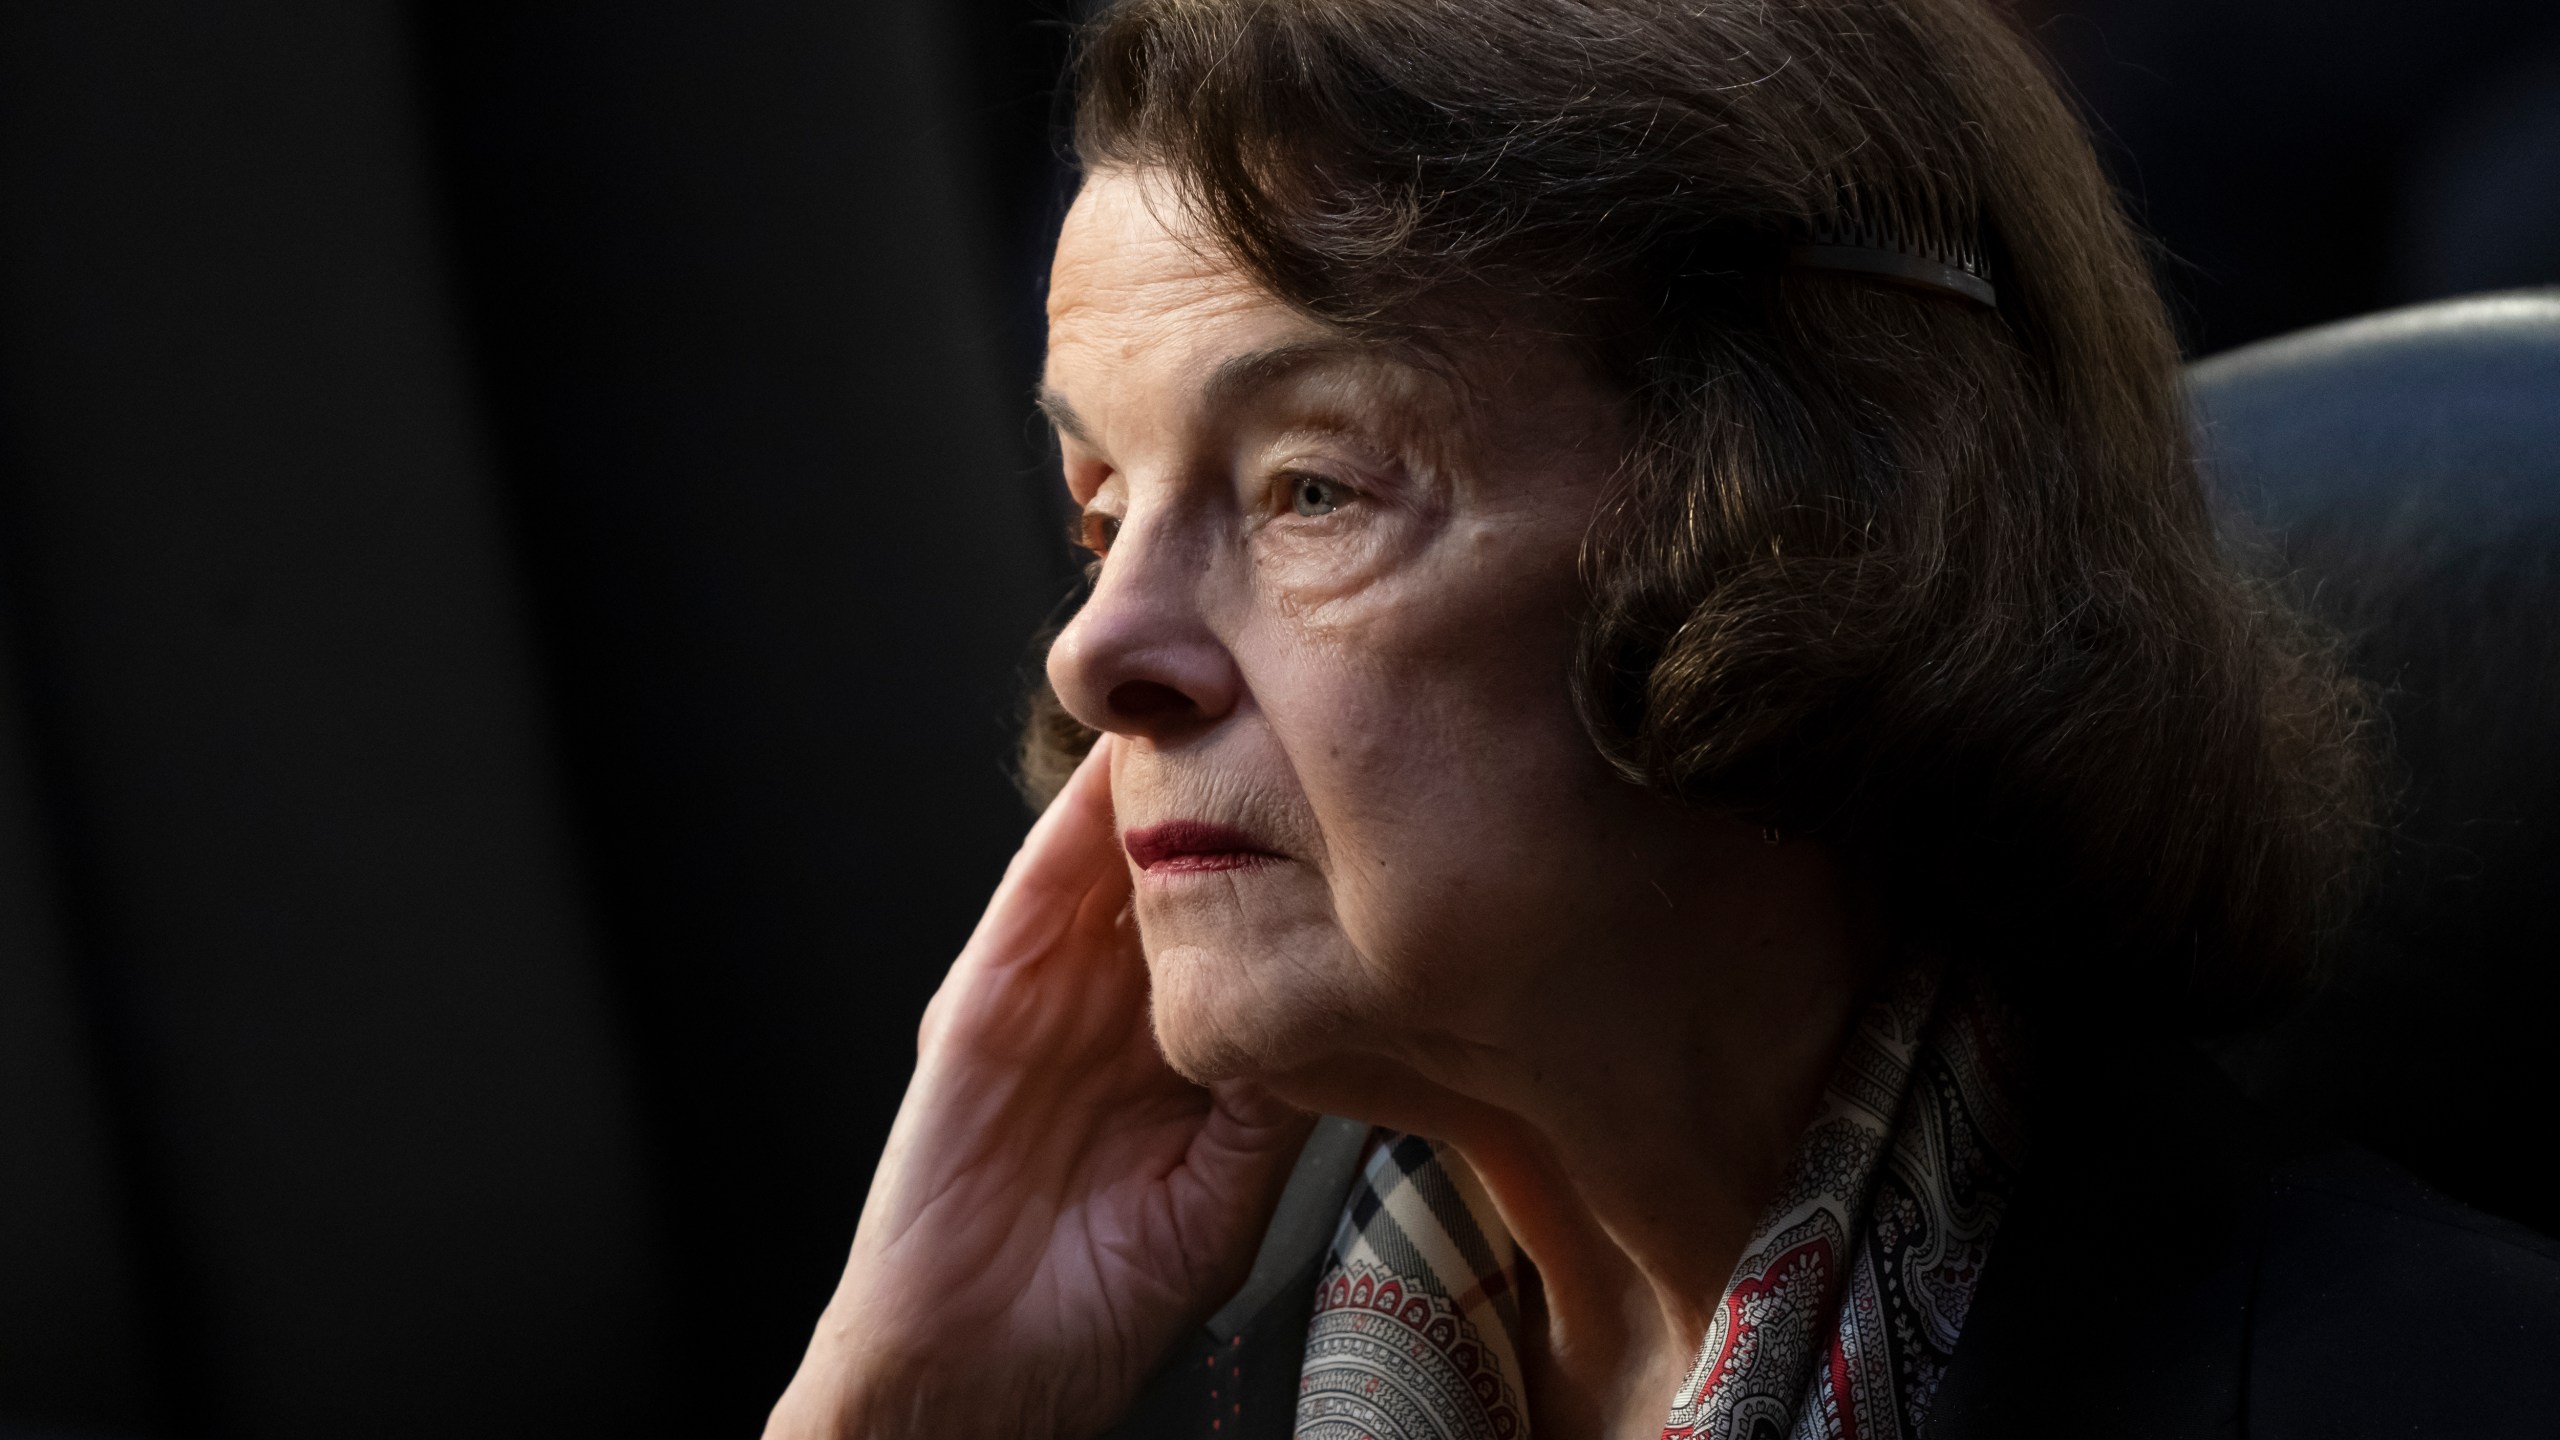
2406	467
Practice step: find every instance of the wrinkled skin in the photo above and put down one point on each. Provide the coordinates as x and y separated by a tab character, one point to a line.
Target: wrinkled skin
1053	1196
1333	619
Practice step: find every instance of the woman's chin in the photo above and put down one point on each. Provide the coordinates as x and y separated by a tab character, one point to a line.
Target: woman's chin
1220	1016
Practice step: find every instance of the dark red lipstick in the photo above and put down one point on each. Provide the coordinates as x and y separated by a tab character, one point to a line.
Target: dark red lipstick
1192	846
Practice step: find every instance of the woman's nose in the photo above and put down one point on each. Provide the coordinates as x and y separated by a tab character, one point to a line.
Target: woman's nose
1140	658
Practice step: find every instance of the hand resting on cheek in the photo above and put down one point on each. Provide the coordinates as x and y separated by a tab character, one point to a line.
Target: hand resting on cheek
1055	1204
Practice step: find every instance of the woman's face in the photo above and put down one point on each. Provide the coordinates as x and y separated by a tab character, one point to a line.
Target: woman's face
1333	626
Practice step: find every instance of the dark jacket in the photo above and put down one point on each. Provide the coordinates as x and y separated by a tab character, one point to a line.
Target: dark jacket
2174	1266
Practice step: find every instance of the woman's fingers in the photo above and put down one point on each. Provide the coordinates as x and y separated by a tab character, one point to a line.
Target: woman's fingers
1237	1161
1058	900
1071	849
1074	837
1072	842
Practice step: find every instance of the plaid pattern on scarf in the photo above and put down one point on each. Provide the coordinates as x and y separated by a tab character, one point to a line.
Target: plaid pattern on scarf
1838	1322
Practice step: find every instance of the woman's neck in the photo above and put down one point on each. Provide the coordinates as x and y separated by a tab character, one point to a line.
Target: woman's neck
1631	1110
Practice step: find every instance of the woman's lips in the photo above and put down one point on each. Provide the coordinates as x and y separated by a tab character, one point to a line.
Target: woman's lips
1178	847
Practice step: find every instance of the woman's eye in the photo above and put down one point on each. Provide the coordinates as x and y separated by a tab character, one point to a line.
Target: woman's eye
1095	531
1313	495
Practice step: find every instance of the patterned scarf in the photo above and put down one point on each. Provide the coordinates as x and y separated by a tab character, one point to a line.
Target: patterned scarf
1838	1321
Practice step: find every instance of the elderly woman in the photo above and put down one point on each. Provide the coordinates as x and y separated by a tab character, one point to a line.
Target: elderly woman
1658	653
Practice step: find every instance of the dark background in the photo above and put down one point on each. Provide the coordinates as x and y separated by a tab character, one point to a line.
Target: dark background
520	540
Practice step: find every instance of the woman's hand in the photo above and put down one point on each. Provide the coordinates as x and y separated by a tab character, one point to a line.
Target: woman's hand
1055	1204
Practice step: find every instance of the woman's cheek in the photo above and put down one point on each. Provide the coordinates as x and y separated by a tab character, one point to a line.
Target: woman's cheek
1308	569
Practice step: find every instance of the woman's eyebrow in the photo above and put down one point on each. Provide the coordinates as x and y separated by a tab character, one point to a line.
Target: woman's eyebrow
1232	381
1236	378
1063	415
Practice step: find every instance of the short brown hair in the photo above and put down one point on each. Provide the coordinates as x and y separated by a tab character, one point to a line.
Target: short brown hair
1933	583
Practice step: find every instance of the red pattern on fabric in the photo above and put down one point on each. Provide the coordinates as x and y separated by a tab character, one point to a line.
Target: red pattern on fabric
1839	1320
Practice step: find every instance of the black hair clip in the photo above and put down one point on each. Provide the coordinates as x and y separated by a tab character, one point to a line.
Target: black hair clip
1897	258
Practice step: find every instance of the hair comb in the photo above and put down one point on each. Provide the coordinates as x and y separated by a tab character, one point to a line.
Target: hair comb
1918	258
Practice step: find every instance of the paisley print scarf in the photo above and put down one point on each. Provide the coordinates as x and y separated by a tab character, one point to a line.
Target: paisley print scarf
1838	1321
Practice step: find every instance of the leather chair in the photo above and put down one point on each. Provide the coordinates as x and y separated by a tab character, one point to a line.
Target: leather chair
2406	466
